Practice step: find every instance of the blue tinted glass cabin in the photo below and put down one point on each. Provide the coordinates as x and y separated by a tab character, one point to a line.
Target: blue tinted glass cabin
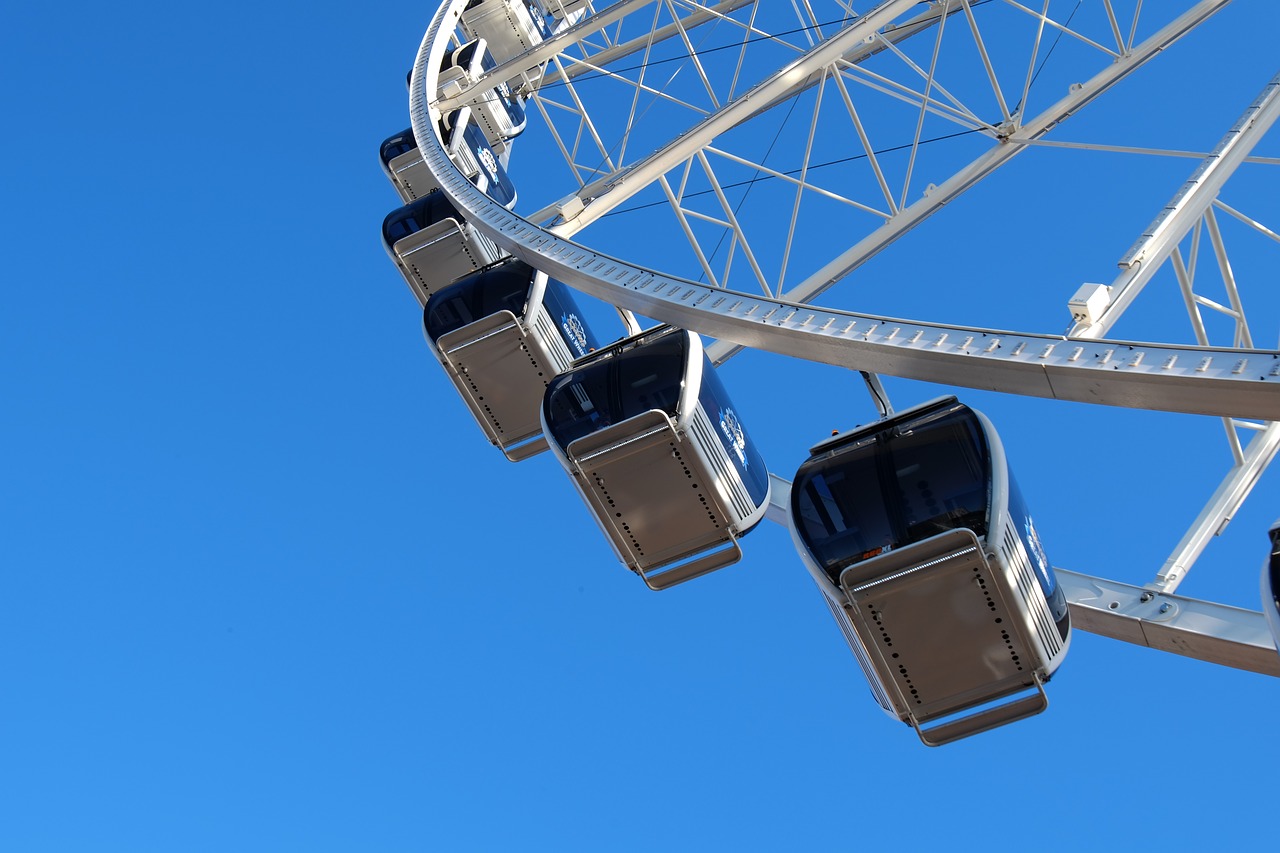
570	322
589	398
501	288
898	487
732	434
393	146
416	215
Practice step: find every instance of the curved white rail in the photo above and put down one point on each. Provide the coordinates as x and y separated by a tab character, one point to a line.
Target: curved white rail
1239	383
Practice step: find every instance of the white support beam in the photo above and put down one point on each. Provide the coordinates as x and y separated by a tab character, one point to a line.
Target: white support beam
899	33
543	52
602	196
1110	372
1185	209
1215	633
1220	509
958	183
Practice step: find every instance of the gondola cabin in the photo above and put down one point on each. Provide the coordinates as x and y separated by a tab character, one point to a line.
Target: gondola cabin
432	244
466	145
1271	584
498	113
502	334
916	532
656	448
509	27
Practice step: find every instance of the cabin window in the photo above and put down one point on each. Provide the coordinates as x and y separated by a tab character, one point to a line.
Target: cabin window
901	486
504	288
401	143
843	518
411	218
606	392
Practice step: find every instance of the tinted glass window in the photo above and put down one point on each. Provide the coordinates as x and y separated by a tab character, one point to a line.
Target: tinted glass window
650	377
469	299
413	217
1273	570
839	513
596	395
894	488
402	143
939	476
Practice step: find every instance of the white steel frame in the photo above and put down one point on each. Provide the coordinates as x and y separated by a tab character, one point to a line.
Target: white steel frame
1237	382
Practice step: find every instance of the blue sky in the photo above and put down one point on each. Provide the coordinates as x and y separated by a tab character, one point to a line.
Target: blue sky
263	586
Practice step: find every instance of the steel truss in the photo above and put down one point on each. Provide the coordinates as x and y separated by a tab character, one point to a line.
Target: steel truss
832	68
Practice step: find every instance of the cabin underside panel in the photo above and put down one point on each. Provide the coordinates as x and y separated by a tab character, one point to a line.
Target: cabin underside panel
651	491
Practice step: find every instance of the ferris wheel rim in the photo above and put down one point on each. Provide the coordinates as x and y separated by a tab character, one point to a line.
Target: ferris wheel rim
580	267
1219	381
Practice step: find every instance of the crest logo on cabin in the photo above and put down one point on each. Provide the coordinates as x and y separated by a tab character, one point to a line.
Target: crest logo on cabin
734	435
487	162
574	332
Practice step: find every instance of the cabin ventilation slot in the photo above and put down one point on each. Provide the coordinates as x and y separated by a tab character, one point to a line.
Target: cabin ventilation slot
545	330
1032	595
725	473
486	248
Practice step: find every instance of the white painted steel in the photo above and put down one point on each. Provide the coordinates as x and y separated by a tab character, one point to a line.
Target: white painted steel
1231	382
1222	505
1192	202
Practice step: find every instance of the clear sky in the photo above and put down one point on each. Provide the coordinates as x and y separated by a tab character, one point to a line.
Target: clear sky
263	585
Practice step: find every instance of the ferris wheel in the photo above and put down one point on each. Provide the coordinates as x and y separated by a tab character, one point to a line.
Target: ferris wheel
769	153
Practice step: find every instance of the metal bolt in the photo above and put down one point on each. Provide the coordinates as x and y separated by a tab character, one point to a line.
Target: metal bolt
1146	596
1164	608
